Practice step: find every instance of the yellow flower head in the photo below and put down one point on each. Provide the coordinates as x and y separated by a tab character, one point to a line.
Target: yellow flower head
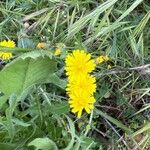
5	56
79	102
41	45
102	59
57	52
9	44
109	67
81	86
84	84
79	63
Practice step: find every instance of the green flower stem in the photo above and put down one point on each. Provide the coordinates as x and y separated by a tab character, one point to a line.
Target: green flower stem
88	127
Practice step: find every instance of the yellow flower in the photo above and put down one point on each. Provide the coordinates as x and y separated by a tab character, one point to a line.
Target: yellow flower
78	63
79	102
102	59
9	44
41	45
109	67
85	84
5	56
57	52
81	86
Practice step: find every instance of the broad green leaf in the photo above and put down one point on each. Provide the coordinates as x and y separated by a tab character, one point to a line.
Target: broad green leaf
43	144
22	74
3	100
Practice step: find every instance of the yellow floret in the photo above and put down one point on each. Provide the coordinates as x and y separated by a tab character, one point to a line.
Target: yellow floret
9	44
41	45
102	59
57	52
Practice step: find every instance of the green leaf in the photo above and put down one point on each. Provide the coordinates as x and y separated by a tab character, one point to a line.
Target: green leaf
20	122
105	30
86	142
22	74
53	78
128	11
141	25
59	109
72	131
9	114
7	146
37	53
81	23
3	100
43	144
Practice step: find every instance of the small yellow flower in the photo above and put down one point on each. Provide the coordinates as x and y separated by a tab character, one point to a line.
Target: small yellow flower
9	44
102	59
5	56
109	67
57	52
41	45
